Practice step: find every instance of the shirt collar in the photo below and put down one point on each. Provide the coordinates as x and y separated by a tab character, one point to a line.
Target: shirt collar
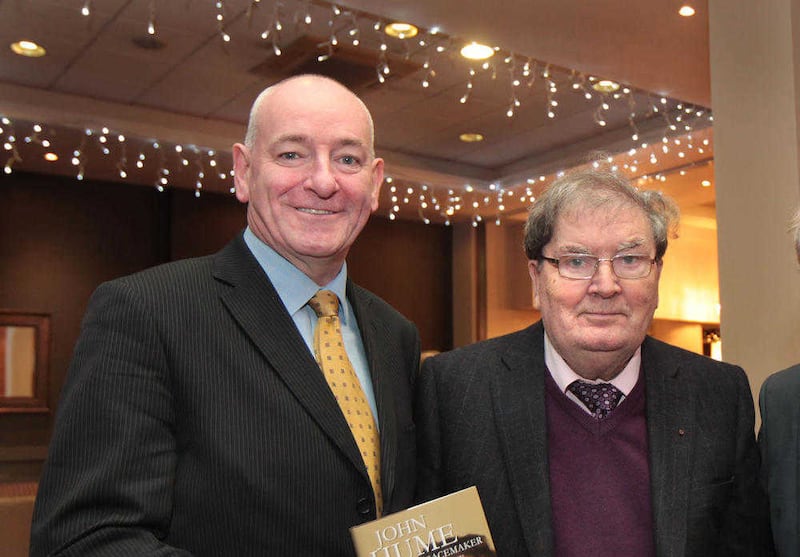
563	375
294	287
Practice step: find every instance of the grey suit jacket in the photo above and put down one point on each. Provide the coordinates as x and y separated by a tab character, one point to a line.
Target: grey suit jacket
195	421
480	413
779	440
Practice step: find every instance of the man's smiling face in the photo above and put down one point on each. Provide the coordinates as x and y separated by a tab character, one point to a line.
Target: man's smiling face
310	177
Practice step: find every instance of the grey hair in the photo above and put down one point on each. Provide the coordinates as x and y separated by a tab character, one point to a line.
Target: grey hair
794	228
252	121
593	188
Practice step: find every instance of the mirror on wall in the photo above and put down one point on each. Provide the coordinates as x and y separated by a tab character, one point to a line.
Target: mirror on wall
24	350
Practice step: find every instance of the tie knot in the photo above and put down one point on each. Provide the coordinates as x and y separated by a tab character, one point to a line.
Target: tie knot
599	398
324	303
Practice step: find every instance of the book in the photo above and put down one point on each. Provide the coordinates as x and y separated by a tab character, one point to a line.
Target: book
451	526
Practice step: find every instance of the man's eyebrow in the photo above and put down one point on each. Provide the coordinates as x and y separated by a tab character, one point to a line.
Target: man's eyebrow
350	142
576	249
305	140
635	243
292	138
583	250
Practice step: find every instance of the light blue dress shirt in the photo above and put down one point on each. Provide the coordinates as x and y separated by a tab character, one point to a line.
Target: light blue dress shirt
295	289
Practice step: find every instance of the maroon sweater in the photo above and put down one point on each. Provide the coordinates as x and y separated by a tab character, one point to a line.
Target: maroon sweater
599	478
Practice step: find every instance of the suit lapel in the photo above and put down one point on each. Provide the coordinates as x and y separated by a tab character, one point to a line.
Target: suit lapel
255	305
371	332
518	399
670	423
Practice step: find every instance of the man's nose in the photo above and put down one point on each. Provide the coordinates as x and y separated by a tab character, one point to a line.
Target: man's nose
604	281
323	180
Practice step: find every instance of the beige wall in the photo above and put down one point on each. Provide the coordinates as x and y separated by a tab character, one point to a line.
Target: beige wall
754	91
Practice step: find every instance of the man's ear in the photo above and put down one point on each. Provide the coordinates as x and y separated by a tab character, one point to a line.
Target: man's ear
536	278
659	266
377	182
241	172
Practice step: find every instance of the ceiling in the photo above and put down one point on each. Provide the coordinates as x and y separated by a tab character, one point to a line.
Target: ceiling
117	103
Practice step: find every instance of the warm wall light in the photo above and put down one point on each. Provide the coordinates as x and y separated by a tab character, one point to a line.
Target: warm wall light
477	51
50	157
686	10
470	137
706	183
28	48
401	30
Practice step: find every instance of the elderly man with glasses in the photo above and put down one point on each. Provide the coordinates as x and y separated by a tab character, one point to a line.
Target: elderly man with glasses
583	435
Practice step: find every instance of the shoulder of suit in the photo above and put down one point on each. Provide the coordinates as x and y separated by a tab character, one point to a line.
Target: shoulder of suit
653	345
183	278
172	270
529	341
190	268
158	291
686	360
788	378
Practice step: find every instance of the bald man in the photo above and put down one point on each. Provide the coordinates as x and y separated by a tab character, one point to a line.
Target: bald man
195	419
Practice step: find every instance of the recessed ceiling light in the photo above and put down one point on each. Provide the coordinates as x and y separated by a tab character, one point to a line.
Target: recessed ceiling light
605	86
28	48
470	137
401	30
50	157
686	10
477	51
705	183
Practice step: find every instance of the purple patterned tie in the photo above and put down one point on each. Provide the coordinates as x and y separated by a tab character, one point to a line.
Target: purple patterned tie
599	398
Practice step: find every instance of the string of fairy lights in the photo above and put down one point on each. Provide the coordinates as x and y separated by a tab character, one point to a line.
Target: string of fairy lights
157	162
132	157
160	162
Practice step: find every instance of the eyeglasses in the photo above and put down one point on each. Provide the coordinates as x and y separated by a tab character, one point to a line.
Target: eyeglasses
583	267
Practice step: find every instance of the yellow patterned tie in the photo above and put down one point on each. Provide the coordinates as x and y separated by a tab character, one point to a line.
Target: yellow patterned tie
332	358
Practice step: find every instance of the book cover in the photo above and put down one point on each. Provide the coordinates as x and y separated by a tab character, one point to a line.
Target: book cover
450	526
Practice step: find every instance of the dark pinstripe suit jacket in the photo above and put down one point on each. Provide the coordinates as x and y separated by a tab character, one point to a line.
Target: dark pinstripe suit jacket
194	421
481	421
779	440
